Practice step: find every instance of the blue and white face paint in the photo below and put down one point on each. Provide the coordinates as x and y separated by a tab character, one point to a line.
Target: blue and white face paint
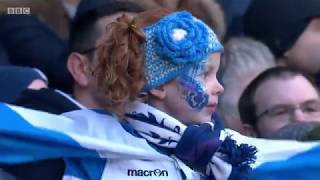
194	90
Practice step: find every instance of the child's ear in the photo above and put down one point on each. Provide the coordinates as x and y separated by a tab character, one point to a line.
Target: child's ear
158	92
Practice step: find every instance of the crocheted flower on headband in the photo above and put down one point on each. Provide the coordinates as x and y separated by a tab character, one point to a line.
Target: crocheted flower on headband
181	38
175	44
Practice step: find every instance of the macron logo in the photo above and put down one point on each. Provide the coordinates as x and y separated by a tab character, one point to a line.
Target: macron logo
140	172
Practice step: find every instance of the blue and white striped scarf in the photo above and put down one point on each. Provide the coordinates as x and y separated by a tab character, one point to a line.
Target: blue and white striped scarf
204	147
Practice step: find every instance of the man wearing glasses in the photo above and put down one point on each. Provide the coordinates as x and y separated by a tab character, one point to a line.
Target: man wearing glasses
277	97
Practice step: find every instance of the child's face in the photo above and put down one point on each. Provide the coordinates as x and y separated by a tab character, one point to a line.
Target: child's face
176	101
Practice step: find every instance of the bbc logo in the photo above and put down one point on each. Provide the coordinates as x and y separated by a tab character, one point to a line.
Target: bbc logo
18	10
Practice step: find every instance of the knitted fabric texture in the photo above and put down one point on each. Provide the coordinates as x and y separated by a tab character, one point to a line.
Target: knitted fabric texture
175	44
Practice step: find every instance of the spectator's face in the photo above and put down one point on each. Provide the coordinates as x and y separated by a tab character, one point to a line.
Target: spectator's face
305	53
283	101
175	104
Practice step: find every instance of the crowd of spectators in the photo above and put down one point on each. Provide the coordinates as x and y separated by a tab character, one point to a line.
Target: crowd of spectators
270	67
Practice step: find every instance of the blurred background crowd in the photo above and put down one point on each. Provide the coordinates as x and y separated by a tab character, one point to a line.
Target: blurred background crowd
270	68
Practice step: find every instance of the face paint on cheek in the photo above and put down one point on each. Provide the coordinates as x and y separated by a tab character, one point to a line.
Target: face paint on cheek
194	92
197	100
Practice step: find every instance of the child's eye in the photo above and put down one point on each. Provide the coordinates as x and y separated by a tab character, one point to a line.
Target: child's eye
204	75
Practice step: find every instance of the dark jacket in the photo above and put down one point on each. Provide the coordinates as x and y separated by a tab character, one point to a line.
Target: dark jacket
29	42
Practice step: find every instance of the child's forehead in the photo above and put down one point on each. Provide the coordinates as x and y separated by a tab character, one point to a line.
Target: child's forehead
213	60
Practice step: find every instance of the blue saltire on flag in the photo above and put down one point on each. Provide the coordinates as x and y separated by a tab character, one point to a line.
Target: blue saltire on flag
28	135
21	142
304	165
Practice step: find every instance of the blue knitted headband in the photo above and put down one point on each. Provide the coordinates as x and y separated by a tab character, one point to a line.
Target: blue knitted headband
175	44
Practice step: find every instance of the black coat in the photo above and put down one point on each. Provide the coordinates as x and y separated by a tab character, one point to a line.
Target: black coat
29	42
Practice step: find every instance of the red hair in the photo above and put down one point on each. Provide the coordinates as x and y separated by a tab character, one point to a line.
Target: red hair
120	68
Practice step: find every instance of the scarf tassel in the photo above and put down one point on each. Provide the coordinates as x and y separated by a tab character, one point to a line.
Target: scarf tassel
239	156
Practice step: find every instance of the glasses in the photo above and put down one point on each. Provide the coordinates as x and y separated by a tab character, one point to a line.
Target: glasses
310	108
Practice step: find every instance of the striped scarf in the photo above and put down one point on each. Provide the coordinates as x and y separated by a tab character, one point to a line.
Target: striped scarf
203	147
